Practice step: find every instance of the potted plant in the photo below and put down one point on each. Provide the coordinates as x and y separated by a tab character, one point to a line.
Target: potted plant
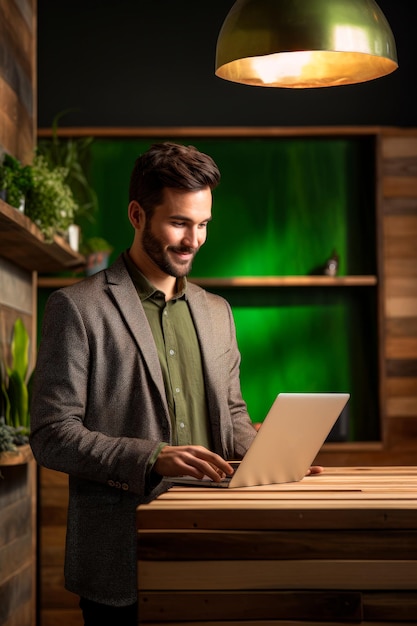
14	392
15	181
73	155
50	203
97	252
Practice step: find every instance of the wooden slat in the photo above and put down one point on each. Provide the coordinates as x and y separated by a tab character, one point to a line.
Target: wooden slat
221	131
399	206
403	247
401	347
270	545
397	147
16	593
323	574
401	307
402	386
398	266
402	407
400	166
251	605
401	286
65	617
401	367
405	186
399	606
400	225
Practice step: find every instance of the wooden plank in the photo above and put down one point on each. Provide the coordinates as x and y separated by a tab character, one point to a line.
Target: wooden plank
399	225
401	327
401	307
303	574
63	616
250	605
15	520
401	347
401	367
398	266
403	286
397	147
400	166
15	555
219	131
402	407
15	592
276	545
399	206
402	247
20	456
399	606
401	387
404	186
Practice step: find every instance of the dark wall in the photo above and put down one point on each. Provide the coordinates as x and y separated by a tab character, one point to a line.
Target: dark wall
151	63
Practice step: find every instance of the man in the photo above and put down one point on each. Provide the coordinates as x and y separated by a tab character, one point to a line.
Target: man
137	378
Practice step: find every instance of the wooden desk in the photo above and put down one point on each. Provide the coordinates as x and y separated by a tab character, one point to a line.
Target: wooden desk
335	548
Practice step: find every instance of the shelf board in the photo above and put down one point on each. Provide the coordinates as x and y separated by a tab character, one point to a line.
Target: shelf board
245	281
22	454
287	281
24	244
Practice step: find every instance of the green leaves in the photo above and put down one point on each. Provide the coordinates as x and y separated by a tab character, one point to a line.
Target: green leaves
14	397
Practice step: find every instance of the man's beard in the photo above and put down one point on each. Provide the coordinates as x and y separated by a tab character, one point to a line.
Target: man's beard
160	257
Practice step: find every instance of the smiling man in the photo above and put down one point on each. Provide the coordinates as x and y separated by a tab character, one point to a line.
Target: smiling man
137	378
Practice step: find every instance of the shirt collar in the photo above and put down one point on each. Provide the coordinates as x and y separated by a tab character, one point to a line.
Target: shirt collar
144	287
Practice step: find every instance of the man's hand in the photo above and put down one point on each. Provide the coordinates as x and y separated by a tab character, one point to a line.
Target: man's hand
194	461
315	469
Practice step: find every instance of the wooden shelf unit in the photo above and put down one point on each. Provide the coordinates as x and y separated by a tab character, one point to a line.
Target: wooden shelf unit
24	244
394	279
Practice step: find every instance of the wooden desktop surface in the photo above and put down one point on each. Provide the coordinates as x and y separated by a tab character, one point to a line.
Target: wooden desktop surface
338	547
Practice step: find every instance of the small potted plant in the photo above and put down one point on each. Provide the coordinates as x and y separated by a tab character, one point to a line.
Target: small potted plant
97	252
50	203
15	181
73	154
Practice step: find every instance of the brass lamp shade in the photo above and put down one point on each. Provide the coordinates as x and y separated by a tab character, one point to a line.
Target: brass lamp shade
305	43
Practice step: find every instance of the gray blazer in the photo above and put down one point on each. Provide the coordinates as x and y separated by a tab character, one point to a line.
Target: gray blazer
99	412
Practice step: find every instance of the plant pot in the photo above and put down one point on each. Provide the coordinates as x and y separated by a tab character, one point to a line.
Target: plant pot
96	261
73	237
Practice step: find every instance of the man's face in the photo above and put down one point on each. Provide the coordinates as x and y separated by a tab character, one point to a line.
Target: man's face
177	230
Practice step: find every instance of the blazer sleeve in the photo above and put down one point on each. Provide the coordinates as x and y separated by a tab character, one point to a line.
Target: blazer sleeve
66	370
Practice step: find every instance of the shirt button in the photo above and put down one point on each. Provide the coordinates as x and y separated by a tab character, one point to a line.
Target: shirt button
172	352
165	312
182	425
177	389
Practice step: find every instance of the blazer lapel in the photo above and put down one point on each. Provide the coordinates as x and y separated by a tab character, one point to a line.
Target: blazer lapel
126	299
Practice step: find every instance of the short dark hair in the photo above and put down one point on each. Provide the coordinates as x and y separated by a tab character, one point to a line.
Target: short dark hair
170	165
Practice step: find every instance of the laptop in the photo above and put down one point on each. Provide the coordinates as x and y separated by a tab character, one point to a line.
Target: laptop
287	443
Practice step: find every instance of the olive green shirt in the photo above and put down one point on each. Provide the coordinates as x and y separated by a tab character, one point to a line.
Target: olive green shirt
179	356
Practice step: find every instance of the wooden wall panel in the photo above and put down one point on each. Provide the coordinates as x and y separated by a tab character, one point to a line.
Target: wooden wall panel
398	218
18	78
17	299
17	544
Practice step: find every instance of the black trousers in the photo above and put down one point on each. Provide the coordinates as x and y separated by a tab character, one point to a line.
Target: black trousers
96	614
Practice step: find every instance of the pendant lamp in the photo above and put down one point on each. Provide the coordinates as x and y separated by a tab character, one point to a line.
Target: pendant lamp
305	43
